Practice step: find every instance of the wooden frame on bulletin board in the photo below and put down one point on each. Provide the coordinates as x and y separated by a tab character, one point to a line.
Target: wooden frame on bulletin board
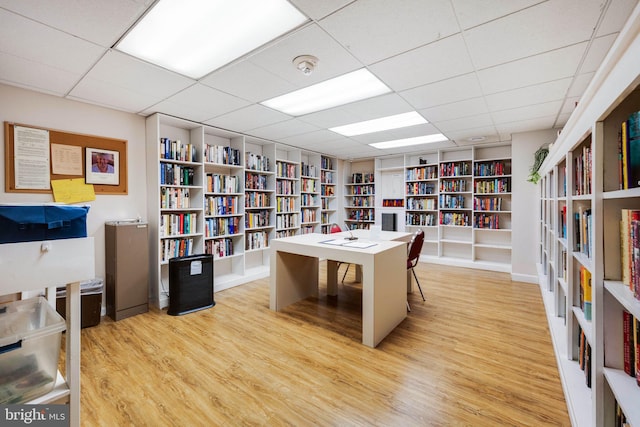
67	138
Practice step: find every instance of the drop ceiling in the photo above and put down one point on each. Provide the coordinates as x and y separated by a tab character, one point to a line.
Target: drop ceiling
472	68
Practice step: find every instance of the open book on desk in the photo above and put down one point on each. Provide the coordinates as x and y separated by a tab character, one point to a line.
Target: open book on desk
349	243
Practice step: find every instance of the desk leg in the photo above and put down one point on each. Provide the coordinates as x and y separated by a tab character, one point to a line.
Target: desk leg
384	295
332	277
409	282
293	278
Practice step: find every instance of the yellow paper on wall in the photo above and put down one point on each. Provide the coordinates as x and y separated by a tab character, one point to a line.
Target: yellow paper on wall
72	190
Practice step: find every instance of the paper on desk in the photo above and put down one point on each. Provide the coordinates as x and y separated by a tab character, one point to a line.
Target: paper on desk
72	190
359	244
337	242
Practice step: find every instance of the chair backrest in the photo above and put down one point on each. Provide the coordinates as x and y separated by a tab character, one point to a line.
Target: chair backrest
415	247
335	228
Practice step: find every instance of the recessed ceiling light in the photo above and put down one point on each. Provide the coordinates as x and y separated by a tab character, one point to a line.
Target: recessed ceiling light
384	123
195	37
350	87
425	139
476	138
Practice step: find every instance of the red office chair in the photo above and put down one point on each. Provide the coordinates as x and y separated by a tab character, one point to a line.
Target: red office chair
413	256
335	228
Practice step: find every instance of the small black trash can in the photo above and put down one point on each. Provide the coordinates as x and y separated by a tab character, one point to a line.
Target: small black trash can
90	302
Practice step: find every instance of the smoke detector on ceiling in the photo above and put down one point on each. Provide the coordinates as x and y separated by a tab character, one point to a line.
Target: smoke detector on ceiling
305	63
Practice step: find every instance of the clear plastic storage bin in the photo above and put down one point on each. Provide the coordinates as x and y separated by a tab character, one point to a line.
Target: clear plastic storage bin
30	334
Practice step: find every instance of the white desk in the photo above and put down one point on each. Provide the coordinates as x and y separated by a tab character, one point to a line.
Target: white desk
295	268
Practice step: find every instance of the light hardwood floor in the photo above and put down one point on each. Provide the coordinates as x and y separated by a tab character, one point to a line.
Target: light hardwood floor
476	353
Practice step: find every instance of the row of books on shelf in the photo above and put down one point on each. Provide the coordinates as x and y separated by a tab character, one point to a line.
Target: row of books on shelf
453	185
487	203
421	204
362	190
219	248
177	224
326	163
620	419
223	183
392	203
496	185
214	227
585	292
286	170
424	219
361	214
325	203
584	356
420	188
420	173
448	201
582	167
327	190
285	233
285	204
630	249
257	219
488	221
257	200
631	345
629	152
493	168
174	174
221	205
308	185
257	162
287	221
309	200
583	228
175	198
285	187
308	170
257	240
362	178
171	248
462	219
327	177
308	215
362	201
455	169
177	150
254	181
223	155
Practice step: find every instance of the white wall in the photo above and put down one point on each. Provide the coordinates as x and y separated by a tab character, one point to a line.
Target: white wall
524	204
36	109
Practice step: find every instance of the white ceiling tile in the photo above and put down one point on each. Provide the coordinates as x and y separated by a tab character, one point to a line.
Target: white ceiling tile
596	53
372	108
248	81
545	67
580	83
462	137
283	129
126	72
249	117
482	120
437	61
536	94
376	29
113	96
26	39
469	14
562	120
199	103
443	92
532	31
527	125
315	9
527	112
569	105
98	21
454	110
391	135
616	15
333	59
31	75
316	137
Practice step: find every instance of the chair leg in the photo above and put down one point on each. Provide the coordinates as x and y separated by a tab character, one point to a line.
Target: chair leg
419	287
345	272
408	306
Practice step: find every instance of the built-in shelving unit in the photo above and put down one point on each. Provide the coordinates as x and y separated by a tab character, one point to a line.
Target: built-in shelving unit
580	257
310	202
288	214
328	197
360	195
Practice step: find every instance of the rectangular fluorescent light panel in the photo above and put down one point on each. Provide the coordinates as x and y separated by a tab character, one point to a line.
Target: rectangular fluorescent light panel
384	123
350	87
426	139
195	37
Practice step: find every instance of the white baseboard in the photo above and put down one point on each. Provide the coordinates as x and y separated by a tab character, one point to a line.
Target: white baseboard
527	278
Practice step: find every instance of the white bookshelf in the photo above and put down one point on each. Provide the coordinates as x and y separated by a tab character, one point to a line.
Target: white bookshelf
592	131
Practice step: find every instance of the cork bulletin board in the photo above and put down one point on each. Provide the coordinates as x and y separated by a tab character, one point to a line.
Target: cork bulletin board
81	148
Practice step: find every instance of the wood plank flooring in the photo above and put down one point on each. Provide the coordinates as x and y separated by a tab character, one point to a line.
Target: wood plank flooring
476	353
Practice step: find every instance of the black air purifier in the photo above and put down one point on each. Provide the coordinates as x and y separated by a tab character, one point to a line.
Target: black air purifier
190	284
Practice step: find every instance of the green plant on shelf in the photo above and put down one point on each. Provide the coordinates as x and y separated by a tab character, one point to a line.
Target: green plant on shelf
538	159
